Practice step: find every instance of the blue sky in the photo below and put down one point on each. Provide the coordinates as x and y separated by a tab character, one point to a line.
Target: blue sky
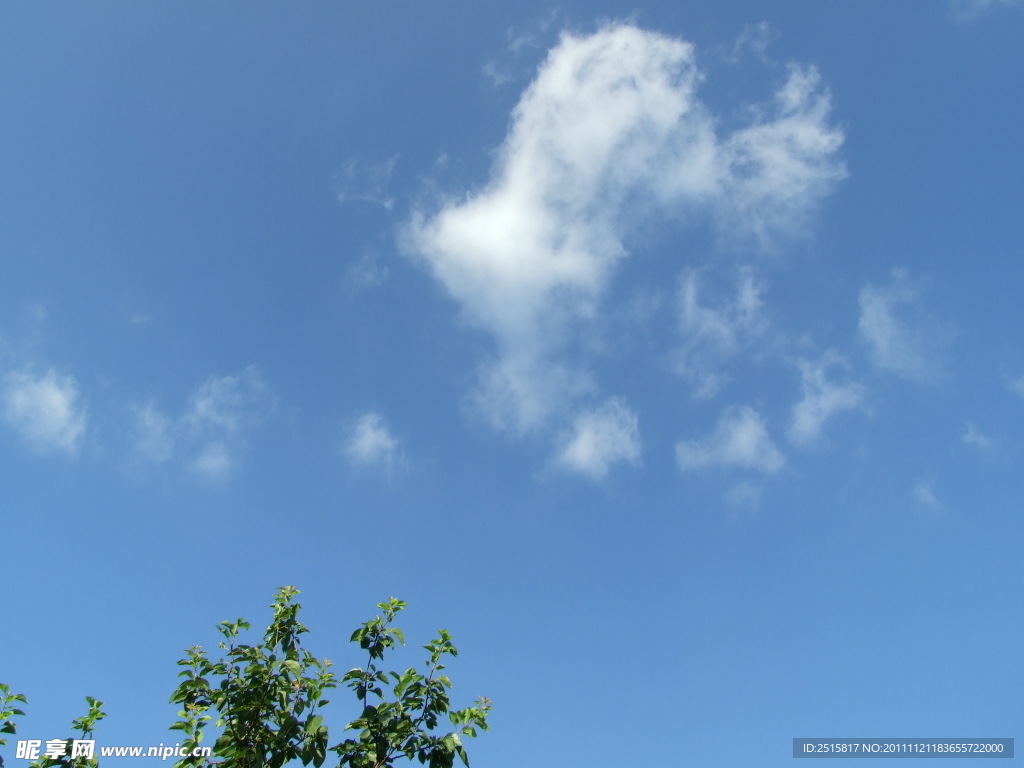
667	355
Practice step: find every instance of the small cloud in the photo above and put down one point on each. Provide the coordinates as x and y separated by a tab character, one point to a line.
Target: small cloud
220	414
900	339
140	318
371	443
45	410
1016	386
214	428
822	398
600	438
713	335
975	437
924	494
740	439
368	184
228	404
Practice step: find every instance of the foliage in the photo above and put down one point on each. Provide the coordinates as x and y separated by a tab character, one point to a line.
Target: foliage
405	725
7	711
84	725
265	701
267	697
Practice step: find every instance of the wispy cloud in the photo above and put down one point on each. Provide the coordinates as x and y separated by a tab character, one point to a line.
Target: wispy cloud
45	410
968	10
975	438
154	434
610	132
924	494
367	272
371	443
520	38
367	183
900	339
755	38
712	335
1016	386
822	398
599	438
213	432
740	439
220	415
744	495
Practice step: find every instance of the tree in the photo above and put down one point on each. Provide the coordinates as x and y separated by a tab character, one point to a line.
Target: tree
266	701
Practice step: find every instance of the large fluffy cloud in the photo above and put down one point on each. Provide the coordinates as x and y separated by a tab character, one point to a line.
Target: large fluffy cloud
45	410
610	131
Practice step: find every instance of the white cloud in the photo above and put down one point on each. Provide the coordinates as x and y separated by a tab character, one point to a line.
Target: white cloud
740	439
372	444
924	494
896	333
779	168
975	437
713	335
214	429
822	398
1016	386
45	410
611	131
600	438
